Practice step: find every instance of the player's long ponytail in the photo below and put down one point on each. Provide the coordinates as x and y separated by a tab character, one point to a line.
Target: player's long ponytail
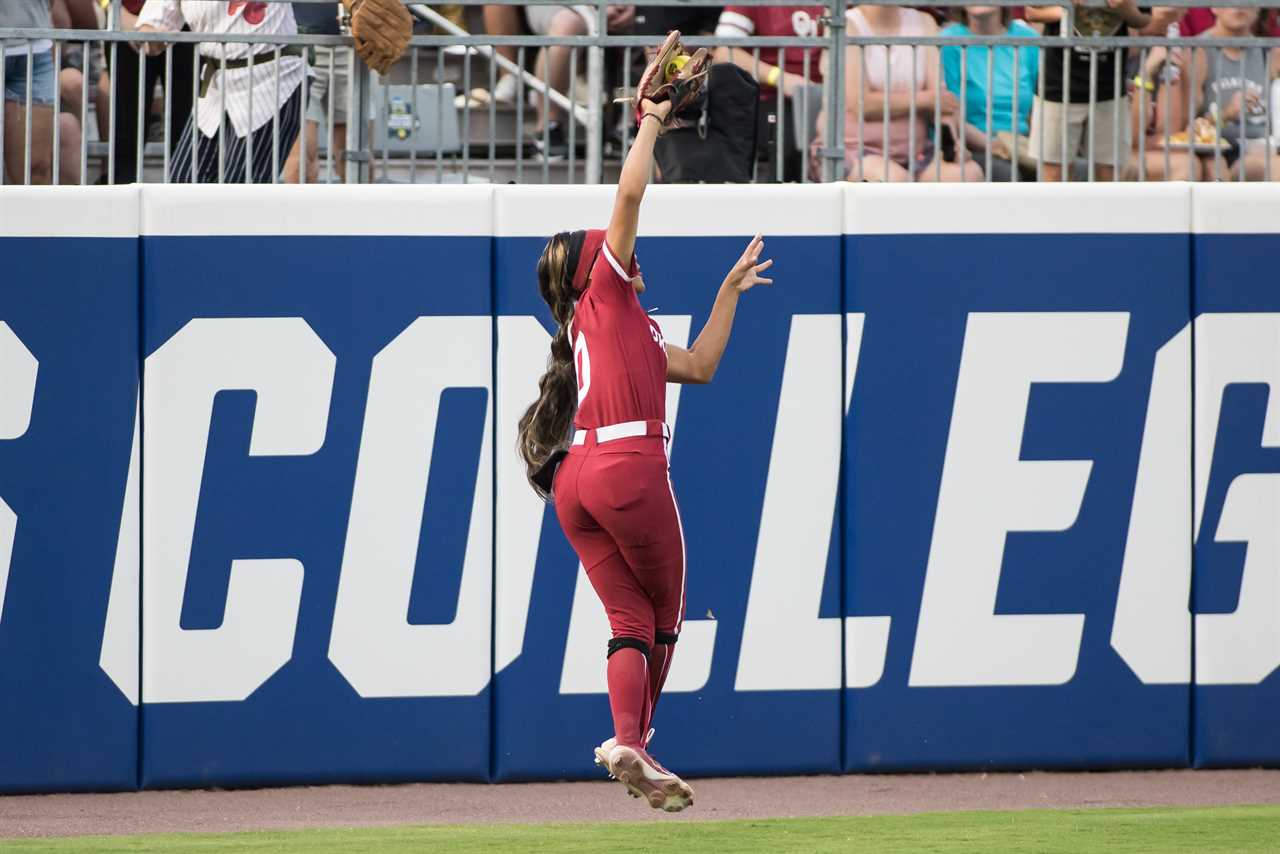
544	427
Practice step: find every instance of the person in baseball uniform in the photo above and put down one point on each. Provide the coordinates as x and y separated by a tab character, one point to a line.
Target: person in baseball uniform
610	484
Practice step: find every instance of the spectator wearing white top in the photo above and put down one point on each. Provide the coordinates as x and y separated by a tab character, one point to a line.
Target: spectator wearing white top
239	100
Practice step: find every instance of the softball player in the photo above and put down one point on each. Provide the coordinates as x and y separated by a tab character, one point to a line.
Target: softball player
613	496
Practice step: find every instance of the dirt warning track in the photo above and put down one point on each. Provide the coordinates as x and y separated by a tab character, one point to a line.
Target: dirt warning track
721	798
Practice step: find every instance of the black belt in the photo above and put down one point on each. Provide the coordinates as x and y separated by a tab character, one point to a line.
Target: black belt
210	67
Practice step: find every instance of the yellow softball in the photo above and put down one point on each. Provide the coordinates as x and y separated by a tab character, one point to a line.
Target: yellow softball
674	65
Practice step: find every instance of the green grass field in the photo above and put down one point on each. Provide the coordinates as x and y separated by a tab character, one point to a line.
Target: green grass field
1223	829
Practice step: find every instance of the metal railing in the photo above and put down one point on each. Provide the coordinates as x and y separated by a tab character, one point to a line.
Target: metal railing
437	117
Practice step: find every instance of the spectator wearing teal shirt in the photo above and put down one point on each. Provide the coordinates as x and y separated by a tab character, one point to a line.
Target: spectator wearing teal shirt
992	21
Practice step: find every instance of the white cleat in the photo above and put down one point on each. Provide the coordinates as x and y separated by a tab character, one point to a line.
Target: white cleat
602	752
645	778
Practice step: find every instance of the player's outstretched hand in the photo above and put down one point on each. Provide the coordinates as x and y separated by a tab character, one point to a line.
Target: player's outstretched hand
745	274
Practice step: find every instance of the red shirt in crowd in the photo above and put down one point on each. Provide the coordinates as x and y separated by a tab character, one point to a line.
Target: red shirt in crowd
1197	20
742	21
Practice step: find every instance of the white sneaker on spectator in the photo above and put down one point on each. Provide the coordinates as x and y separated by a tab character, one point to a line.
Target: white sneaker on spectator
503	94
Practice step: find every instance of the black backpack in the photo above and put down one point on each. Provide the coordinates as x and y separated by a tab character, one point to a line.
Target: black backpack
713	141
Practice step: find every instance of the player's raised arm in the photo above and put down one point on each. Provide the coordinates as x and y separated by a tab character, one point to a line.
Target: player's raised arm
698	364
621	234
672	81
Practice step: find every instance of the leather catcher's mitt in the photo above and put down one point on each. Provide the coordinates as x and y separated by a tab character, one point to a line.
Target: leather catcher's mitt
381	30
673	75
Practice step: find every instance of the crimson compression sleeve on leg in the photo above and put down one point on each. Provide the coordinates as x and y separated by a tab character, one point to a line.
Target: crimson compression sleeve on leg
628	693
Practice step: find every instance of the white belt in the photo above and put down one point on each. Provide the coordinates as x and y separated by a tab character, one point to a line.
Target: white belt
625	430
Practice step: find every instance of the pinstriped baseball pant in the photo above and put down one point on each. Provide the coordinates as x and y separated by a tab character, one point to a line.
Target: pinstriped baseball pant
236	149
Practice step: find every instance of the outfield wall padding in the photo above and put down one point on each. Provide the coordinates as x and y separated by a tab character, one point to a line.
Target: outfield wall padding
961	472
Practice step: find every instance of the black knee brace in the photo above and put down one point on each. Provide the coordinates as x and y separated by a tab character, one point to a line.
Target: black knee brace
616	644
665	637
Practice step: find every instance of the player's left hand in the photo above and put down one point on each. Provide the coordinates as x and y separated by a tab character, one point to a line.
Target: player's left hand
745	274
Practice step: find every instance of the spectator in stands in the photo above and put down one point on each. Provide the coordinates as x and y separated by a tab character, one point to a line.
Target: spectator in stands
553	64
121	85
1193	22
504	21
1233	91
689	20
67	15
39	74
773	76
1158	104
911	149
1051	114
997	129
331	66
788	74
223	137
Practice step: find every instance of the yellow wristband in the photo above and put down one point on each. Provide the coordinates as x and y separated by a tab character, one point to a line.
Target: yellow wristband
1144	84
772	78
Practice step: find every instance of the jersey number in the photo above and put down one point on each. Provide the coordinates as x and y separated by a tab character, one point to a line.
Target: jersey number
582	361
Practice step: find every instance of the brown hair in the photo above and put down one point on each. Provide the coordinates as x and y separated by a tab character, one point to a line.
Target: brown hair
544	427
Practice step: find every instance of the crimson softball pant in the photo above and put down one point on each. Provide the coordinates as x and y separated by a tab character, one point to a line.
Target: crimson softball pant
616	506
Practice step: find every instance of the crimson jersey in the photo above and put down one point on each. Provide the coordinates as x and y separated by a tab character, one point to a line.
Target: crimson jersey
618	351
740	21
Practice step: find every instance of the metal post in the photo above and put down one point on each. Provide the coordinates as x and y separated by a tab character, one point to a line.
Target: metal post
1143	82
168	109
466	115
1013	126
417	113
84	112
626	87
1042	88
964	97
1167	91
1121	157
991	61
780	132
222	112
833	155
26	158
1269	151
1093	109
886	112
1244	53
911	117
1064	159
195	114
2	89
140	119
573	96
804	122
57	111
521	100
386	104
248	137
329	119
755	75
114	91
275	118
595	84
493	112
358	124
